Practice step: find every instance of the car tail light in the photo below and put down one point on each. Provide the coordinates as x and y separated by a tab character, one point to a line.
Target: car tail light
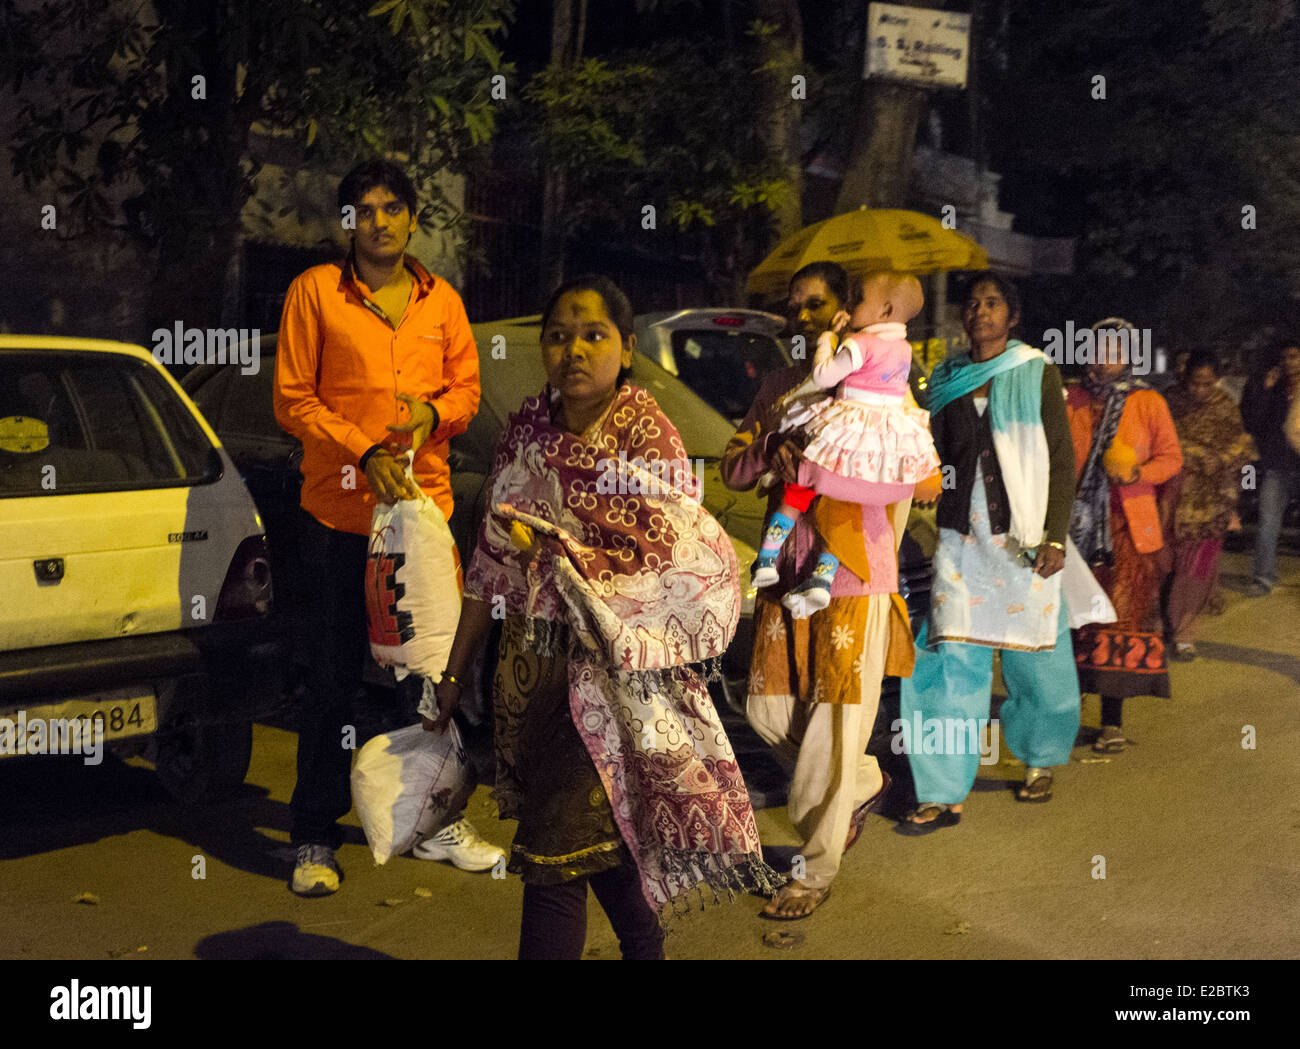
247	590
730	322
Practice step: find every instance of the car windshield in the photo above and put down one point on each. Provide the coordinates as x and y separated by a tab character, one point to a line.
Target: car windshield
87	422
725	367
510	370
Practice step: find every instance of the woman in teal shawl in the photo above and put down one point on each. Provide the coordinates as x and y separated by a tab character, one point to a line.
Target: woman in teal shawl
1000	427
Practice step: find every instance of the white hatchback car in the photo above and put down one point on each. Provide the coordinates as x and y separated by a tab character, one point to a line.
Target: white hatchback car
135	586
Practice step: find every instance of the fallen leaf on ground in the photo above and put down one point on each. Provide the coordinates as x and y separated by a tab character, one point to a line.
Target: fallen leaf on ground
391	903
422	891
118	952
86	897
959	929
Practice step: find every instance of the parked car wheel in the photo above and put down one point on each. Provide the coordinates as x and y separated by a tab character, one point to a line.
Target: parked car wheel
201	763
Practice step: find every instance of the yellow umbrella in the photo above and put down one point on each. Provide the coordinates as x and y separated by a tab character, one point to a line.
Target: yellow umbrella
865	240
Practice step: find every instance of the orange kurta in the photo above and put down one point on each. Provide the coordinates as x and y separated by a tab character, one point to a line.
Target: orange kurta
1147	427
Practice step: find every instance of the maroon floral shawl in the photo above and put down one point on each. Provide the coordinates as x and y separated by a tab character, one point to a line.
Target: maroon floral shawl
1215	447
647	582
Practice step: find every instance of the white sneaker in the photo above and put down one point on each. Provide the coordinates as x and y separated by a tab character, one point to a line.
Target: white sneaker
316	872
460	843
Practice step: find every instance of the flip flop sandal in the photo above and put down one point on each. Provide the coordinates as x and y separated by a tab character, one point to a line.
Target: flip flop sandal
859	818
912	829
793	893
1112	744
1036	789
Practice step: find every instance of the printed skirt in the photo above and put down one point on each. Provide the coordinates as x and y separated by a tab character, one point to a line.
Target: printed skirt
1122	659
545	776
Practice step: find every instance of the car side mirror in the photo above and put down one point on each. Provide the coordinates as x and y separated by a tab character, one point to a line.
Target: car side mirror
214	467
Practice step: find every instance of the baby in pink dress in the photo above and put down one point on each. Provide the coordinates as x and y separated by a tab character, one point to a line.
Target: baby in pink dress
866	436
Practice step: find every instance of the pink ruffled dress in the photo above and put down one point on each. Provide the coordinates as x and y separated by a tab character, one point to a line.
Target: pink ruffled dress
866	432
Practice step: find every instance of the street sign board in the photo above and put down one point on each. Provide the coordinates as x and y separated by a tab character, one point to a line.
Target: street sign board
917	45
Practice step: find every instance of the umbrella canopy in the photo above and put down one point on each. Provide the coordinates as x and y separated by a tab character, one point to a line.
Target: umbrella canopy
865	240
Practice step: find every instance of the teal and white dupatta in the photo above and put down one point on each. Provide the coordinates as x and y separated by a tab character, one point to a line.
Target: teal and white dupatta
1016	417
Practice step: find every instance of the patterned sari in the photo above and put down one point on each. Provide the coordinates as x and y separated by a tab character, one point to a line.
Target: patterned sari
599	543
1215	448
1122	658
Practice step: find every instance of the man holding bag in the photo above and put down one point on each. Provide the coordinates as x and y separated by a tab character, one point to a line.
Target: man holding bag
370	348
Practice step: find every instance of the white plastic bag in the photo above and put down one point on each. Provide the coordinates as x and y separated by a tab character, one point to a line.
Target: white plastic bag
406	783
413	586
1085	601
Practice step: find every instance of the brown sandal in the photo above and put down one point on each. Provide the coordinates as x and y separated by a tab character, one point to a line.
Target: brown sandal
859	818
793	892
1037	786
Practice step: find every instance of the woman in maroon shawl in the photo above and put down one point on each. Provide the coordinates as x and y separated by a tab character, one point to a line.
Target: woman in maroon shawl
615	584
1215	448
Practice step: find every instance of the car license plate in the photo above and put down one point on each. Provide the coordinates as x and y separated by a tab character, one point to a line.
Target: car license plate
122	712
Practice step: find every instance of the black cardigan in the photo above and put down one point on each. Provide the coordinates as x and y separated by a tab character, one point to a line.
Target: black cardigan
964	440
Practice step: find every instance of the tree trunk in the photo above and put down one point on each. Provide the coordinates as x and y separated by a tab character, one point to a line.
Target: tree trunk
782	59
879	167
568	28
207	183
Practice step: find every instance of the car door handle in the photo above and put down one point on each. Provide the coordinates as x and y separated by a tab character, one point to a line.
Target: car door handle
48	569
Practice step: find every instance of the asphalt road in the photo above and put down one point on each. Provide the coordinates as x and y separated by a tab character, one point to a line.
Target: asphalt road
1200	838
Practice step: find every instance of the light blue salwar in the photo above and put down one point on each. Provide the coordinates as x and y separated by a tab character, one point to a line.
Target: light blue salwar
1039	720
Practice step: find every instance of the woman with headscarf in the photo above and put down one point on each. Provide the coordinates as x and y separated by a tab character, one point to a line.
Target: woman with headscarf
609	752
1125	445
1215	447
999	425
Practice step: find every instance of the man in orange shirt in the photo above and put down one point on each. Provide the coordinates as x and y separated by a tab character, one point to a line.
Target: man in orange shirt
368	351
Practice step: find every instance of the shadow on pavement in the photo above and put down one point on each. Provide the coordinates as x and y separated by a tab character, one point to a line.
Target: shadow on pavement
58	802
1278	662
281	941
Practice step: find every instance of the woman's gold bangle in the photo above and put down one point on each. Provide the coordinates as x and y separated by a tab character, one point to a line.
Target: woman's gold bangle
1056	546
450	679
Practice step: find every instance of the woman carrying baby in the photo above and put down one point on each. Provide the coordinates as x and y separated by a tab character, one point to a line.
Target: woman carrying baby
864	442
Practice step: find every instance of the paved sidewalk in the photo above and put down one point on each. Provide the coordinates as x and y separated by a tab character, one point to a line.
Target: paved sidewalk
1200	838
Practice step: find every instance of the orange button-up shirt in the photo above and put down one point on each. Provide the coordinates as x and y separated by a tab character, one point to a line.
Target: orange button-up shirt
339	365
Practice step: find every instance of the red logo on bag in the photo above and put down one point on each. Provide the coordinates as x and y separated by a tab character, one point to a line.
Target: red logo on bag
388	625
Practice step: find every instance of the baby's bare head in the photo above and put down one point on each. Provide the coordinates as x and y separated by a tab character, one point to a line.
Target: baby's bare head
885	295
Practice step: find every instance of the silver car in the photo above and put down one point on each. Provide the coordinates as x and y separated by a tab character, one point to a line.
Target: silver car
722	355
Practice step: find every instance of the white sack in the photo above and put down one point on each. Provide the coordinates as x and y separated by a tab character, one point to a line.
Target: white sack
413	586
406	783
